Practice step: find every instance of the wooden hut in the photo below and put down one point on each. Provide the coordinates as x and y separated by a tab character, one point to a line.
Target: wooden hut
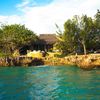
46	42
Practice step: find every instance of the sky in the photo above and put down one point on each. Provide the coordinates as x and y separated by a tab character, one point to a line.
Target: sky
41	16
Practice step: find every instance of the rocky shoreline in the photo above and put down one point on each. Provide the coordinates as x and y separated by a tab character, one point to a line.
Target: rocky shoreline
22	61
83	61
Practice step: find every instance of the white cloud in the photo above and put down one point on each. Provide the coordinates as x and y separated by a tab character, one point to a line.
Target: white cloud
23	4
42	19
11	19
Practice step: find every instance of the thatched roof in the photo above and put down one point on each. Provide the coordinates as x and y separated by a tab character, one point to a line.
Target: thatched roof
48	38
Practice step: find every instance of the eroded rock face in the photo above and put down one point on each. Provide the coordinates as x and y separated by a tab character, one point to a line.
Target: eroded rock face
82	61
89	61
21	61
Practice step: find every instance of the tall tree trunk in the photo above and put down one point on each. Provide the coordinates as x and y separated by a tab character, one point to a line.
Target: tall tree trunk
84	47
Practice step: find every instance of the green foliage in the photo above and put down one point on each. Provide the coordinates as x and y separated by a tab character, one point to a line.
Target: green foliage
80	34
15	36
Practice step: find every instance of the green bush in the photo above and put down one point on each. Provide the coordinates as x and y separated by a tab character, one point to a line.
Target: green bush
3	54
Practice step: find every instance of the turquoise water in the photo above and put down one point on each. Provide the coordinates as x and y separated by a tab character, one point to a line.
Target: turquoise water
49	83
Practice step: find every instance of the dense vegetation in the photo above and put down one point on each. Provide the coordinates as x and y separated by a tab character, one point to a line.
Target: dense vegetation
13	37
81	35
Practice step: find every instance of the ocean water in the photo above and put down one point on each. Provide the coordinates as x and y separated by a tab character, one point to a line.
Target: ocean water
49	83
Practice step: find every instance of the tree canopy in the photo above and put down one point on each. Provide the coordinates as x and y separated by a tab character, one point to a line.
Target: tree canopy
81	34
15	36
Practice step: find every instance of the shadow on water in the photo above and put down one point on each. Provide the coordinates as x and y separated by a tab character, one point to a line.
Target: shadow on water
49	83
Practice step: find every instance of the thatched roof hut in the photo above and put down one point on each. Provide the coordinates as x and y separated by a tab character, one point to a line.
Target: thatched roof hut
46	42
48	38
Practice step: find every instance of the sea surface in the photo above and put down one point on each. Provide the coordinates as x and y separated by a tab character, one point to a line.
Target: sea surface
49	83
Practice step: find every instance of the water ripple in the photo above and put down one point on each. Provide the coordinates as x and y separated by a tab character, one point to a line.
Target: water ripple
49	83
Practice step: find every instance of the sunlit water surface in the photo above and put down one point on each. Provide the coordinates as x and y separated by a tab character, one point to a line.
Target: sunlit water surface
49	83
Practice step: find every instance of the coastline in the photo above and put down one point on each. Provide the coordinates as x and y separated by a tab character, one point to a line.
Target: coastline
83	61
89	61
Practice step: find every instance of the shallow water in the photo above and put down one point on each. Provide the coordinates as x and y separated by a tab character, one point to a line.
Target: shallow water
49	83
